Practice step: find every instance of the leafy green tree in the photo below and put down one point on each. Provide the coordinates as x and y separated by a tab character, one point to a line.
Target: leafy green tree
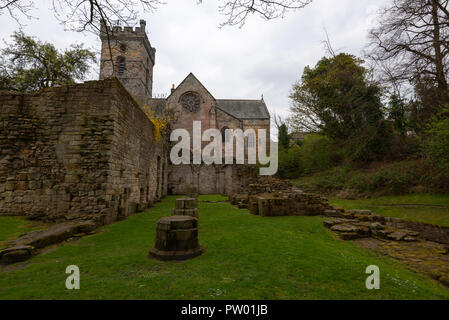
28	64
335	97
284	138
397	113
316	153
436	143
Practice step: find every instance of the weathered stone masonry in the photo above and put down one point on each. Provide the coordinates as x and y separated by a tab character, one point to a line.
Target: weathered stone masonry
218	114
86	151
78	150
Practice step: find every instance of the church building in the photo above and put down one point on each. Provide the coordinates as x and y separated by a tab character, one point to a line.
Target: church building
128	55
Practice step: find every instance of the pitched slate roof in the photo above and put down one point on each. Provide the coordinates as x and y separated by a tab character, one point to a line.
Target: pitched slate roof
244	109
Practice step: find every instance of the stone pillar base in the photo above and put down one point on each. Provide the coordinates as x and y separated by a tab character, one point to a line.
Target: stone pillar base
176	239
175	255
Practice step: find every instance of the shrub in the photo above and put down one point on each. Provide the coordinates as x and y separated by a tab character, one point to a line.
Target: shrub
290	166
317	153
371	144
383	179
436	143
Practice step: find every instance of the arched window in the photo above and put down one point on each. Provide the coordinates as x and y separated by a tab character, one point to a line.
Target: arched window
121	65
224	137
251	140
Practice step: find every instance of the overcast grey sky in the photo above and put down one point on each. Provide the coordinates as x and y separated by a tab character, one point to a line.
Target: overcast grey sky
263	57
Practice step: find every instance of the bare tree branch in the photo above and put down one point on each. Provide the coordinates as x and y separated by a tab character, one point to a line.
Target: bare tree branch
237	11
86	15
412	42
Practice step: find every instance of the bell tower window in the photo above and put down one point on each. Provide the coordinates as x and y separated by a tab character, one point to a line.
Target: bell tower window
121	66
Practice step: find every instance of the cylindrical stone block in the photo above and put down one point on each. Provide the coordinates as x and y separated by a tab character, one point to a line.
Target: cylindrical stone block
176	239
186	203
185	212
186	207
190	203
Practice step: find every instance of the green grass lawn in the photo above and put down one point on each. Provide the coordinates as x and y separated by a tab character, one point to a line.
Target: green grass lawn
12	227
434	209
247	257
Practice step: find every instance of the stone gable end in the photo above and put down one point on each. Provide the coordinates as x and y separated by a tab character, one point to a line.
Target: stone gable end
185	117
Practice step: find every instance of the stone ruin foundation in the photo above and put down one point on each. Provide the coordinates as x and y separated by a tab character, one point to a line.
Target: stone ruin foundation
423	247
293	203
186	207
176	239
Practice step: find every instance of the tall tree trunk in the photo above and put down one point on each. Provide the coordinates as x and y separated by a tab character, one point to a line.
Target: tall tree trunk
439	63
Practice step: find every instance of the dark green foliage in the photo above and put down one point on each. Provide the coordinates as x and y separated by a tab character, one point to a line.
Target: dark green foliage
290	163
425	105
436	141
28	64
385	179
371	144
316	153
397	109
336	98
284	138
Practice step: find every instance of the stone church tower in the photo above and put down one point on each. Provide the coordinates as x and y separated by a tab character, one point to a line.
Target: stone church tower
133	59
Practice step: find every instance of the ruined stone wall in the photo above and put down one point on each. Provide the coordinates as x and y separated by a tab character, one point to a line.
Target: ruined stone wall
80	150
210	179
206	179
136	167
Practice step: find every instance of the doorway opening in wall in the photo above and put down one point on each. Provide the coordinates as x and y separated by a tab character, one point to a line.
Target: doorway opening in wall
163	181
142	196
224	136
158	179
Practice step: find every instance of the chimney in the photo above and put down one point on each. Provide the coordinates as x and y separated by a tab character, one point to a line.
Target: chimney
142	25
173	88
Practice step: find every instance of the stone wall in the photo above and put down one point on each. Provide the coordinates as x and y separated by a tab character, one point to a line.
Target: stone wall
213	179
185	118
293	203
82	150
206	179
226	120
210	179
